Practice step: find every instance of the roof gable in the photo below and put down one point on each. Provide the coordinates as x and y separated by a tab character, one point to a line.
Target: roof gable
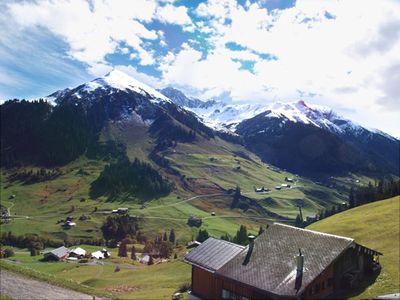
60	252
212	254
272	263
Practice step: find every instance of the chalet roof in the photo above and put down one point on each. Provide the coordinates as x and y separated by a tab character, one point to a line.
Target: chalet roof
212	254
59	252
98	254
272	263
79	251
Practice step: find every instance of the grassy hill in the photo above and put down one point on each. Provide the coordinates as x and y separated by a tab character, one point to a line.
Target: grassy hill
375	225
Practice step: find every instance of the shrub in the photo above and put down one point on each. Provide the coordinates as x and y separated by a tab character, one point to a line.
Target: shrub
8	252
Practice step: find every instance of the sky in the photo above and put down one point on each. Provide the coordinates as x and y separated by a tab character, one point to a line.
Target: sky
344	54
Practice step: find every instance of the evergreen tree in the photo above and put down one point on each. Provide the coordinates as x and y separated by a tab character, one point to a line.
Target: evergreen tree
122	251
241	237
172	237
261	230
226	237
165	238
298	222
202	235
133	253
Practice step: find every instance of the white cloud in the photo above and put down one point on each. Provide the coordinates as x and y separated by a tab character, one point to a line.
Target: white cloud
172	14
92	31
343	52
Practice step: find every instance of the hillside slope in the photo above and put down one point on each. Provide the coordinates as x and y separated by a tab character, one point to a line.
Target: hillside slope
375	225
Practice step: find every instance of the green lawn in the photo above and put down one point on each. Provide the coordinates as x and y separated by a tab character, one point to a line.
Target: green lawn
133	281
375	225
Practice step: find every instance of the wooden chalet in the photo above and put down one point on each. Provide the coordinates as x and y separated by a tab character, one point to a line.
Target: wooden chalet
284	262
57	254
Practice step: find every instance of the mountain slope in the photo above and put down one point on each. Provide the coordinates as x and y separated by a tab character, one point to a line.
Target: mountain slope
375	225
306	139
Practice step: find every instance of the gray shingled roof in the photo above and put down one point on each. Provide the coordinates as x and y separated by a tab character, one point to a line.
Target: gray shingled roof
59	252
212	254
272	264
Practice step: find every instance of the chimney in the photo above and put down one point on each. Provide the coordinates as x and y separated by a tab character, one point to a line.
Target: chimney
299	273
250	250
300	263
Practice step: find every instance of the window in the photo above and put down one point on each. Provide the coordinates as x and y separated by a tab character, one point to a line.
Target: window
317	287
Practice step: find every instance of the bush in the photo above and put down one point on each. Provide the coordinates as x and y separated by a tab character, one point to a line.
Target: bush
8	252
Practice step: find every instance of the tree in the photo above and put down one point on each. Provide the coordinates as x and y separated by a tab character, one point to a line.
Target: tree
165	249
261	230
165	238
8	252
133	253
122	250
171	237
225	237
299	221
202	235
236	197
241	237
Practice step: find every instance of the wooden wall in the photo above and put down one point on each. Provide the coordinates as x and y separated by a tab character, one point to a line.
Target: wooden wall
204	283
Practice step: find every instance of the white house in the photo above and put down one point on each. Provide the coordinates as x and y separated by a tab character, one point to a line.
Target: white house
98	255
78	252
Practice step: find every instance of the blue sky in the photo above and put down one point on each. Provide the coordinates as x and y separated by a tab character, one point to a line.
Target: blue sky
336	53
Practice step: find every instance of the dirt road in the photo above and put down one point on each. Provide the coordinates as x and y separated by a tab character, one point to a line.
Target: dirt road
20	287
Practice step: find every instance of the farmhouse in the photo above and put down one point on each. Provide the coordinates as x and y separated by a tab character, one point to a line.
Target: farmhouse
284	262
78	253
58	254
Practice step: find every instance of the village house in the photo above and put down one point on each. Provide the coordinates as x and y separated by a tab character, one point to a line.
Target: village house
101	254
284	262
58	254
77	252
120	211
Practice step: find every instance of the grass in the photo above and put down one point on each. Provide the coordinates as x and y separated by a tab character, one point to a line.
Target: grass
133	281
375	225
50	278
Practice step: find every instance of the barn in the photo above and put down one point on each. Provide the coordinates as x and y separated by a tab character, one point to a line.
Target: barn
284	262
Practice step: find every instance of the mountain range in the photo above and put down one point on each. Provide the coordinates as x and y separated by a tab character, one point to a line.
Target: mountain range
296	136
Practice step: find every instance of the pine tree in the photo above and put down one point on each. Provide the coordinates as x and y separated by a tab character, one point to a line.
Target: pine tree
133	253
172	237
241	237
165	238
122	251
298	222
261	230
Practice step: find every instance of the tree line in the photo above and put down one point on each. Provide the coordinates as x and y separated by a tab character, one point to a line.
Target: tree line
382	189
135	178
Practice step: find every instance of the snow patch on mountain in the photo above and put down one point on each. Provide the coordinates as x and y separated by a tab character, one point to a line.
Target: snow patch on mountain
122	81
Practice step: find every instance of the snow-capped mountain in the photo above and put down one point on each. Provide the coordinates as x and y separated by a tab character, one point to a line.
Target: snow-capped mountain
111	83
222	116
298	135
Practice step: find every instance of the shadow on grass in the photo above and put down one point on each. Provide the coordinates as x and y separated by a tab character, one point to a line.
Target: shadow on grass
364	284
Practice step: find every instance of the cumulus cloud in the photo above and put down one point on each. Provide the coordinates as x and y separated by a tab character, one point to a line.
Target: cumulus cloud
340	53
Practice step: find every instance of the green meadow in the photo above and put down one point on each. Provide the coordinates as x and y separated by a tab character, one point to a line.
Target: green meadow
375	225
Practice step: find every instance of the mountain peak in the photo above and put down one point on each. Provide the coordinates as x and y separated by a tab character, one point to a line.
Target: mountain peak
120	80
